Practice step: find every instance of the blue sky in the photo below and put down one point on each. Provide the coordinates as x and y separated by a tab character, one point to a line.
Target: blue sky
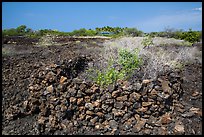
68	16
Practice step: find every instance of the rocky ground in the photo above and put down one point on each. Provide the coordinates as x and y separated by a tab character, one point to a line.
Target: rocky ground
44	92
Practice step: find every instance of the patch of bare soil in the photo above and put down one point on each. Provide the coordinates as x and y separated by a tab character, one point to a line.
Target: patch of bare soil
44	92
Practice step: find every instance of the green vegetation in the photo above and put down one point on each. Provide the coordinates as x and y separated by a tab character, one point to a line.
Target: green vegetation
190	35
147	41
83	32
108	31
133	32
127	61
20	31
113	32
28	32
108	77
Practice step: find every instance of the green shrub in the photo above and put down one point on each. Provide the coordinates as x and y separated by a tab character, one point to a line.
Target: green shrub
107	76
191	36
111	75
133	32
9	32
153	34
83	32
21	29
147	41
127	61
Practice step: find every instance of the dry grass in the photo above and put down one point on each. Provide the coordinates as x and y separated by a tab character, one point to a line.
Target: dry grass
156	56
170	41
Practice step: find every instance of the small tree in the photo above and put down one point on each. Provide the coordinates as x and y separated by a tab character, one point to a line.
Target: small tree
21	29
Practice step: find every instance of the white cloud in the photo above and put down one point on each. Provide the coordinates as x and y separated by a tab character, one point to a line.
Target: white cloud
173	20
198	9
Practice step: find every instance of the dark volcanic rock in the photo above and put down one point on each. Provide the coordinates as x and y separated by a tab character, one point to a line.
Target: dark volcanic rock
63	102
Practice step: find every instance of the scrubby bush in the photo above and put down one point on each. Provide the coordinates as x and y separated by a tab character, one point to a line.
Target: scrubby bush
19	31
133	32
147	41
192	36
83	32
116	32
155	58
153	34
127	62
9	32
109	76
91	32
28	32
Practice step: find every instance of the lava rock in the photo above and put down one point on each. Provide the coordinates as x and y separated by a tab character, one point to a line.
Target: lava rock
116	93
136	105
50	89
73	100
89	106
105	96
134	97
109	101
127	86
82	87
69	114
119	105
100	114
122	98
88	112
87	99
117	112
139	125
146	104
137	86
146	81
63	79
80	101
94	120
166	119
113	124
105	107
72	92
108	116
179	128
97	103
188	114
79	94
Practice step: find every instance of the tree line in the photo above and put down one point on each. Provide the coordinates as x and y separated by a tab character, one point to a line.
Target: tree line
114	32
23	30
